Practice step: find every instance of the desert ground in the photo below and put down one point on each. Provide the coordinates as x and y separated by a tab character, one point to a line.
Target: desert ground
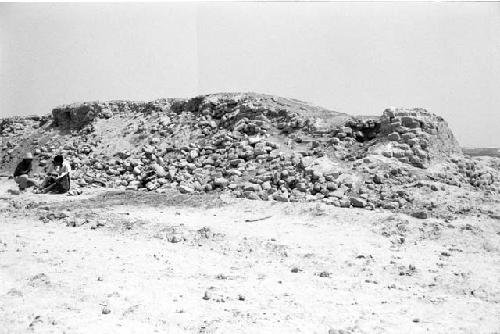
138	262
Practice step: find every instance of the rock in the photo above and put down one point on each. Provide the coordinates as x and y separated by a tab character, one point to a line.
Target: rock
251	195
407	136
193	154
358	202
281	197
253	140
159	170
106	113
378	179
40	279
251	187
324	274
236	162
387	154
211	294
221	182
99	223
331	186
316	175
339	193
391	205
345	202
341	135
174	238
76	222
183	189
105	310
420	214
413	142
338	331
137	170
266	186
394	136
301	186
206	295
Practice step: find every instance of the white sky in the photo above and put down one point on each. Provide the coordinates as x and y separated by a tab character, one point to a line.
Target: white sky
357	58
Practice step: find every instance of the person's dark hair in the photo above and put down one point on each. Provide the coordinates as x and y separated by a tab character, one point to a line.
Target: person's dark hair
58	159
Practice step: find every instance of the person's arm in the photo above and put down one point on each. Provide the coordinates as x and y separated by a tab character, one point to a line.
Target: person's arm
51	171
65	170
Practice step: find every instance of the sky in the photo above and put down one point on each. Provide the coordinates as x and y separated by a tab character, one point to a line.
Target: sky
358	58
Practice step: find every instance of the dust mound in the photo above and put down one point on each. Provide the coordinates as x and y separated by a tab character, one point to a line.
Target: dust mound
253	145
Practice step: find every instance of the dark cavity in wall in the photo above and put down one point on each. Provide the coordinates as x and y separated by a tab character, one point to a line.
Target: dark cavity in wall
364	130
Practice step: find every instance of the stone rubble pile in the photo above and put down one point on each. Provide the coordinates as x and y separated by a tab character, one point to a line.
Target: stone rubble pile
14	132
254	146
416	136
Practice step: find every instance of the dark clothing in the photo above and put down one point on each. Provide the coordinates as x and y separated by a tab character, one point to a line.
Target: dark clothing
23	181
24	167
57	186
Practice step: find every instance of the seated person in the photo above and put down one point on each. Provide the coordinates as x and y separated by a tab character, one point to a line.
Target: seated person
21	174
58	179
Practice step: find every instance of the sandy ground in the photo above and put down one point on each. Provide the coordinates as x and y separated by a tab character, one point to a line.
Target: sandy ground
240	266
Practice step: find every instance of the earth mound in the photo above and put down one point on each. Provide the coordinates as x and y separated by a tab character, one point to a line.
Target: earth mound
255	146
487	151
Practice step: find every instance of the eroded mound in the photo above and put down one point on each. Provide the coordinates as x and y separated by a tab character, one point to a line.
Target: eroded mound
255	146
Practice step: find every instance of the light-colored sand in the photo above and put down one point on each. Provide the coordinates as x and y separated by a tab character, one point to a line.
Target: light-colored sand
355	271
